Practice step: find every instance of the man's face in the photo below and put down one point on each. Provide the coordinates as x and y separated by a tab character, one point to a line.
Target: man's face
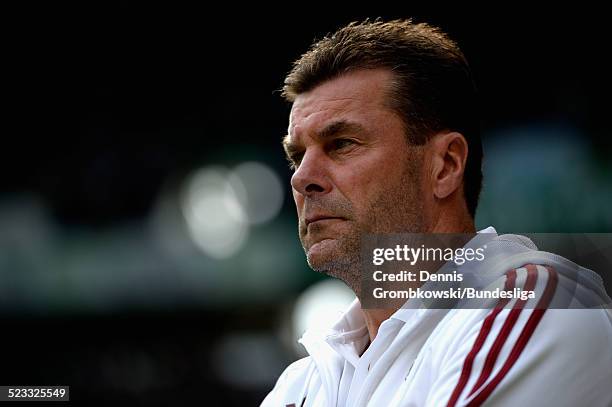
354	170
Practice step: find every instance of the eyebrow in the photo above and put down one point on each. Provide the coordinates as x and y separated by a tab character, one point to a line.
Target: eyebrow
330	131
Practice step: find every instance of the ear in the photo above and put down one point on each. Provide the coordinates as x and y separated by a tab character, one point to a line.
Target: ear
449	153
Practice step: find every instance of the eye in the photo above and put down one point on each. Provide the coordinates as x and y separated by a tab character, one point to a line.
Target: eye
340	143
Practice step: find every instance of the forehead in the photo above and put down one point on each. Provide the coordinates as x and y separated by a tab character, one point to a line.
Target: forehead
357	96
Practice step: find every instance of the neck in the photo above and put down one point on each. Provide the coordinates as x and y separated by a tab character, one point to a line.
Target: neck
375	317
450	218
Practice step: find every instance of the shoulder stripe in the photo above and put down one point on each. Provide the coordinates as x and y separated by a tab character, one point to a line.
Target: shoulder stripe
530	326
502	337
480	340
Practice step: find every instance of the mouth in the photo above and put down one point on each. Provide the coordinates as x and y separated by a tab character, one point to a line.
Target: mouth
320	218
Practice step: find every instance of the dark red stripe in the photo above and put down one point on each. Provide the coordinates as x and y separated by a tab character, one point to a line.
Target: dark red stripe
480	340
530	326
502	337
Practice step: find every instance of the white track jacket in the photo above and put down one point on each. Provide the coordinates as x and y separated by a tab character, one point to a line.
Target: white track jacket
524	355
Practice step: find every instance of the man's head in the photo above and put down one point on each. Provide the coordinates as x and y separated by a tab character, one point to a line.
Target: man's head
382	119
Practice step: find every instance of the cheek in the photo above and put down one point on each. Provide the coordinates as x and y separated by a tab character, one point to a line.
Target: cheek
298	199
368	183
361	185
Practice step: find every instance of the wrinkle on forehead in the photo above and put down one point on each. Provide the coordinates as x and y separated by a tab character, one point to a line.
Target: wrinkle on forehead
361	92
305	108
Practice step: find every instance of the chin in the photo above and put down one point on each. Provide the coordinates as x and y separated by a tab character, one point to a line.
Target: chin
329	257
321	252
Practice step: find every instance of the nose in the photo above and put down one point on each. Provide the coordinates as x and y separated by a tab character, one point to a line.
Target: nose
312	175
